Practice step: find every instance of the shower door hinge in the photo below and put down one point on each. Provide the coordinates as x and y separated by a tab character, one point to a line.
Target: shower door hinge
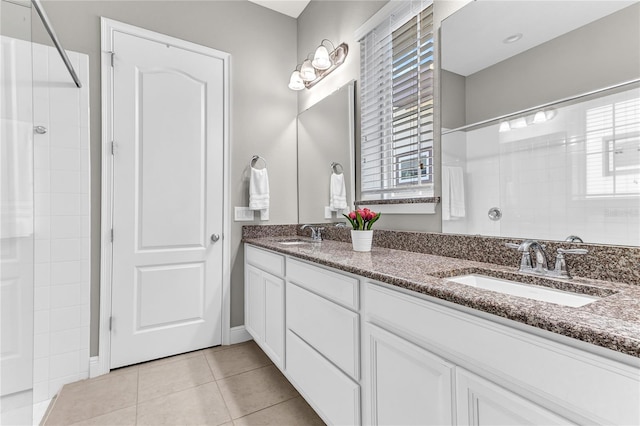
110	323
111	234
113	147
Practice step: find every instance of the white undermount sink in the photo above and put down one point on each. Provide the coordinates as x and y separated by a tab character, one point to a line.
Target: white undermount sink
529	291
294	242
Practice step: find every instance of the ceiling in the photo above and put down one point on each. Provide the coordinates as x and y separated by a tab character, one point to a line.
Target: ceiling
472	45
291	8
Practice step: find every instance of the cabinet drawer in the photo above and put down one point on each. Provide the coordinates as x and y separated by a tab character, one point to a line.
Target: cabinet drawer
330	392
265	260
339	288
331	329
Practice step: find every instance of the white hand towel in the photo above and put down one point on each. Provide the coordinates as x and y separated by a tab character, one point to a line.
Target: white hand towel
338	192
453	202
259	192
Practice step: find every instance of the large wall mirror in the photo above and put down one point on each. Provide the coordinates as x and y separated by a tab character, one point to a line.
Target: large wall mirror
326	147
541	120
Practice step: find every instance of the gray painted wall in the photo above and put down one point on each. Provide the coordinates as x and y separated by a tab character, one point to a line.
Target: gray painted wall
596	55
263	109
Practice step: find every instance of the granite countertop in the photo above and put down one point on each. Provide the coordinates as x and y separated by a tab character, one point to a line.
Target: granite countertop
613	322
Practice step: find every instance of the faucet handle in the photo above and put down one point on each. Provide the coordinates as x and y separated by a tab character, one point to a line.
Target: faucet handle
512	245
562	269
572	251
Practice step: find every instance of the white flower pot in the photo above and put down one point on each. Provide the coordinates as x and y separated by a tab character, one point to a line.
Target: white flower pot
361	240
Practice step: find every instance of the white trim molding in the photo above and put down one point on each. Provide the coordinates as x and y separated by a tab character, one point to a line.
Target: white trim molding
239	334
101	364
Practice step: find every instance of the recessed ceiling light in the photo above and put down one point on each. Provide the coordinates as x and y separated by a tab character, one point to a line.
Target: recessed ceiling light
512	38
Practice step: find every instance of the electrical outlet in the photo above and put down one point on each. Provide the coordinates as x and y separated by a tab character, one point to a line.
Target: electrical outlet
243	214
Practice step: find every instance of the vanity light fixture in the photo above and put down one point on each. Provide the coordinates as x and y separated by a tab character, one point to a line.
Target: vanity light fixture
311	71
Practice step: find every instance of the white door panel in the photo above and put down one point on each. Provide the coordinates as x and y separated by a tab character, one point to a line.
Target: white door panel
168	192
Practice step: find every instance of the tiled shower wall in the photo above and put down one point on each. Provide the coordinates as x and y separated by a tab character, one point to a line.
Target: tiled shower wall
62	228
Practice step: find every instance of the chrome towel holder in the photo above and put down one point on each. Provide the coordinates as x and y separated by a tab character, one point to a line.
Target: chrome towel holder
334	168
255	159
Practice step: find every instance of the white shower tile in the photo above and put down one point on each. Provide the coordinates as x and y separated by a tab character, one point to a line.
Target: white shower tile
41	182
64	250
41	322
55	384
42	228
42	251
85	315
65	182
64	136
65	272
85	204
42	204
40	156
65	204
65	318
63	365
42	274
41	390
41	345
41	298
85	248
67	159
85	226
66	227
65	341
65	296
40	370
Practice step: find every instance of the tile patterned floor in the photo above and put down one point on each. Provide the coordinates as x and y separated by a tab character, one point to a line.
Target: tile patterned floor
227	385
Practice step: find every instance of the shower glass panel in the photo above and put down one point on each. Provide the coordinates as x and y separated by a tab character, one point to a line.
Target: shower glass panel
16	215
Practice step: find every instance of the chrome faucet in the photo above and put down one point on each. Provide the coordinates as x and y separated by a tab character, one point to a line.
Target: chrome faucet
526	265
574	239
561	270
316	231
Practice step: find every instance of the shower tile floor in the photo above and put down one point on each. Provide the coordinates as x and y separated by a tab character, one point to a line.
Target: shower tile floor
225	385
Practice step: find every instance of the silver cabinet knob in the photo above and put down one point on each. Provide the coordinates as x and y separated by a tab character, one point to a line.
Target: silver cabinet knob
215	238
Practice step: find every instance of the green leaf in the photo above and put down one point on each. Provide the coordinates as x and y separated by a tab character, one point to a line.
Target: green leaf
372	221
360	222
353	223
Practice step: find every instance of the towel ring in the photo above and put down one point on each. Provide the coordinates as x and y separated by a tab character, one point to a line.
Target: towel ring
334	168
255	160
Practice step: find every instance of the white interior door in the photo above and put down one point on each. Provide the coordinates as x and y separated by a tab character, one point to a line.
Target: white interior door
168	127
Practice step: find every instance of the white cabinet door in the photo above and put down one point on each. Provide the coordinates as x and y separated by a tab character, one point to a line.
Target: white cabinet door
254	301
264	312
405	384
274	318
481	402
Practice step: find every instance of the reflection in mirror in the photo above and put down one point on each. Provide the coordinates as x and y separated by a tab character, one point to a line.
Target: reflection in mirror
570	169
552	168
325	158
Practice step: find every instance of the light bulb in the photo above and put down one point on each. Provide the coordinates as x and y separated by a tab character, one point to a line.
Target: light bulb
321	60
504	127
307	71
540	117
296	82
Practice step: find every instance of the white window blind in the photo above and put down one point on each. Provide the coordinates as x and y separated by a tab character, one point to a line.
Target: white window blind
397	105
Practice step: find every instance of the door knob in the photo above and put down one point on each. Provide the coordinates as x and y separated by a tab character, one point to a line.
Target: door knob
215	238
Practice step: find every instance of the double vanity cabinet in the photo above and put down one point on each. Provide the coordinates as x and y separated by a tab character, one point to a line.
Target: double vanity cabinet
365	352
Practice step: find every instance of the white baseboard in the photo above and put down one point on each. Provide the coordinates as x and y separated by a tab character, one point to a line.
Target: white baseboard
238	334
95	368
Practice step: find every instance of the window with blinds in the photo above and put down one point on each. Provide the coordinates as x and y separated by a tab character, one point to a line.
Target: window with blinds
397	61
